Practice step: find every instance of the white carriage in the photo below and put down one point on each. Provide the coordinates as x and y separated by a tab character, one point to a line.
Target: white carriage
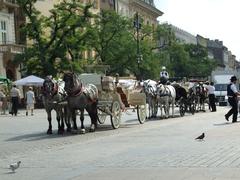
113	98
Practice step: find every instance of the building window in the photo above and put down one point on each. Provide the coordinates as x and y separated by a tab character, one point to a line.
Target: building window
3	32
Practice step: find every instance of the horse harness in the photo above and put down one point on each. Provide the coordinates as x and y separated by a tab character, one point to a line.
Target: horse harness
167	92
77	91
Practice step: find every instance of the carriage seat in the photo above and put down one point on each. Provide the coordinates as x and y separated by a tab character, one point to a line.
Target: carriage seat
123	96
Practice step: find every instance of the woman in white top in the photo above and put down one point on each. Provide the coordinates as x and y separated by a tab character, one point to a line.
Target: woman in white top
30	100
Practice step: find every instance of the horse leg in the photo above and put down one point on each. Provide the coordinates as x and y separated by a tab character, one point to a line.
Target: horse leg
166	107
49	131
94	116
61	131
173	102
82	131
58	120
155	105
67	115
149	109
152	108
73	113
161	108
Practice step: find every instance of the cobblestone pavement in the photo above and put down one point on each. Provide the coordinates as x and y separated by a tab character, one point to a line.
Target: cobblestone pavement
159	149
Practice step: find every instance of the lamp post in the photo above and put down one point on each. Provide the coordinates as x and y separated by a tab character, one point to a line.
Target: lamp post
137	25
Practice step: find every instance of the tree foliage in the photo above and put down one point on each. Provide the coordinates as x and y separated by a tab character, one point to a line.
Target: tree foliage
53	36
60	40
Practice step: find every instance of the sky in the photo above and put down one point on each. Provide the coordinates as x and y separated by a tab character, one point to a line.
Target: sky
213	19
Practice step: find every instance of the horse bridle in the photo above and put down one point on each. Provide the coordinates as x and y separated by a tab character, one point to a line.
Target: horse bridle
50	90
71	90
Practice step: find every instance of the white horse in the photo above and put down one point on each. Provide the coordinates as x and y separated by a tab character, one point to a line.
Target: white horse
150	89
166	95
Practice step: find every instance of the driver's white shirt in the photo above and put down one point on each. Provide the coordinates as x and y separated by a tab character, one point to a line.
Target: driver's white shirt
233	88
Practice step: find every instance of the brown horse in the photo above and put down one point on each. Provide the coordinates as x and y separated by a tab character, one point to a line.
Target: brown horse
80	98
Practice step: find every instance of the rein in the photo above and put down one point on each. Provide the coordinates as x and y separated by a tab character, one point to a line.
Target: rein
76	92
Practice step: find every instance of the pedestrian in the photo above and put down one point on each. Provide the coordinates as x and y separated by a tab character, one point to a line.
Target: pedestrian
3	102
211	96
232	94
15	98
30	101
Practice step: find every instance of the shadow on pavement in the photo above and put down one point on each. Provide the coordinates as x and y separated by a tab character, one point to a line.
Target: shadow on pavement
37	136
223	124
44	135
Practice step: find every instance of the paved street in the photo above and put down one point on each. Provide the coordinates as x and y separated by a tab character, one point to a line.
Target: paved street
159	149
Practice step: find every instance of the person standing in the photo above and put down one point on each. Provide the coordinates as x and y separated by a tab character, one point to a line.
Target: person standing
2	96
3	102
211	97
15	97
30	100
232	94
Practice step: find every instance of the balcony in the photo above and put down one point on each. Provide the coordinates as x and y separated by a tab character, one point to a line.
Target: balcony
12	48
9	3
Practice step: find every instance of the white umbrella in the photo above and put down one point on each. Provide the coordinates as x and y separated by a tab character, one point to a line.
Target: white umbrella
30	81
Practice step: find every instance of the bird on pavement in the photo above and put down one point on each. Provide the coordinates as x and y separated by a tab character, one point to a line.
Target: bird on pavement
201	137
14	166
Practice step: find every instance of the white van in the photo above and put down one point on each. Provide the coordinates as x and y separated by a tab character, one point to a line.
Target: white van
220	83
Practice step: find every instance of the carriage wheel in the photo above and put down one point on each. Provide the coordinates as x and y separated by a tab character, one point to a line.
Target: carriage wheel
116	115
101	116
142	113
192	108
182	109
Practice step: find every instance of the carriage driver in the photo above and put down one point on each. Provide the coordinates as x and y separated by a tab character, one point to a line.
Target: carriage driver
164	76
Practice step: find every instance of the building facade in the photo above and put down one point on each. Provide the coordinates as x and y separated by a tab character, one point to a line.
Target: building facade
145	8
183	36
11	40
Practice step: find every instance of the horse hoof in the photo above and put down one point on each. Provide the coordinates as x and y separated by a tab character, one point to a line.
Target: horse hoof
61	131
74	131
92	130
82	131
69	129
49	131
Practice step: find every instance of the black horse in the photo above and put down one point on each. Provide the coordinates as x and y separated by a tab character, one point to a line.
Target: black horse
80	98
53	96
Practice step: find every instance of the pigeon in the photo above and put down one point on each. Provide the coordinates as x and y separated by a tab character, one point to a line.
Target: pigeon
201	137
14	166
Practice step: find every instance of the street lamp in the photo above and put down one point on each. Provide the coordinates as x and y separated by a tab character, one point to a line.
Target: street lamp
137	25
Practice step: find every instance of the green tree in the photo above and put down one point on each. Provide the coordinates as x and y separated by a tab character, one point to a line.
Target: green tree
199	64
52	36
112	41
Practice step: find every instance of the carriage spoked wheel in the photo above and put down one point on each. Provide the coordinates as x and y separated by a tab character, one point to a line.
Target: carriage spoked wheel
182	108
101	116
193	108
116	114
142	113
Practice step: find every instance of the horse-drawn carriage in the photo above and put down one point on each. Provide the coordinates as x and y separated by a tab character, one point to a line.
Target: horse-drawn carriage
113	98
194	98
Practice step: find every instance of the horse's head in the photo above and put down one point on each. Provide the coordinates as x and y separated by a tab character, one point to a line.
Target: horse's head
68	79
72	83
50	88
149	87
